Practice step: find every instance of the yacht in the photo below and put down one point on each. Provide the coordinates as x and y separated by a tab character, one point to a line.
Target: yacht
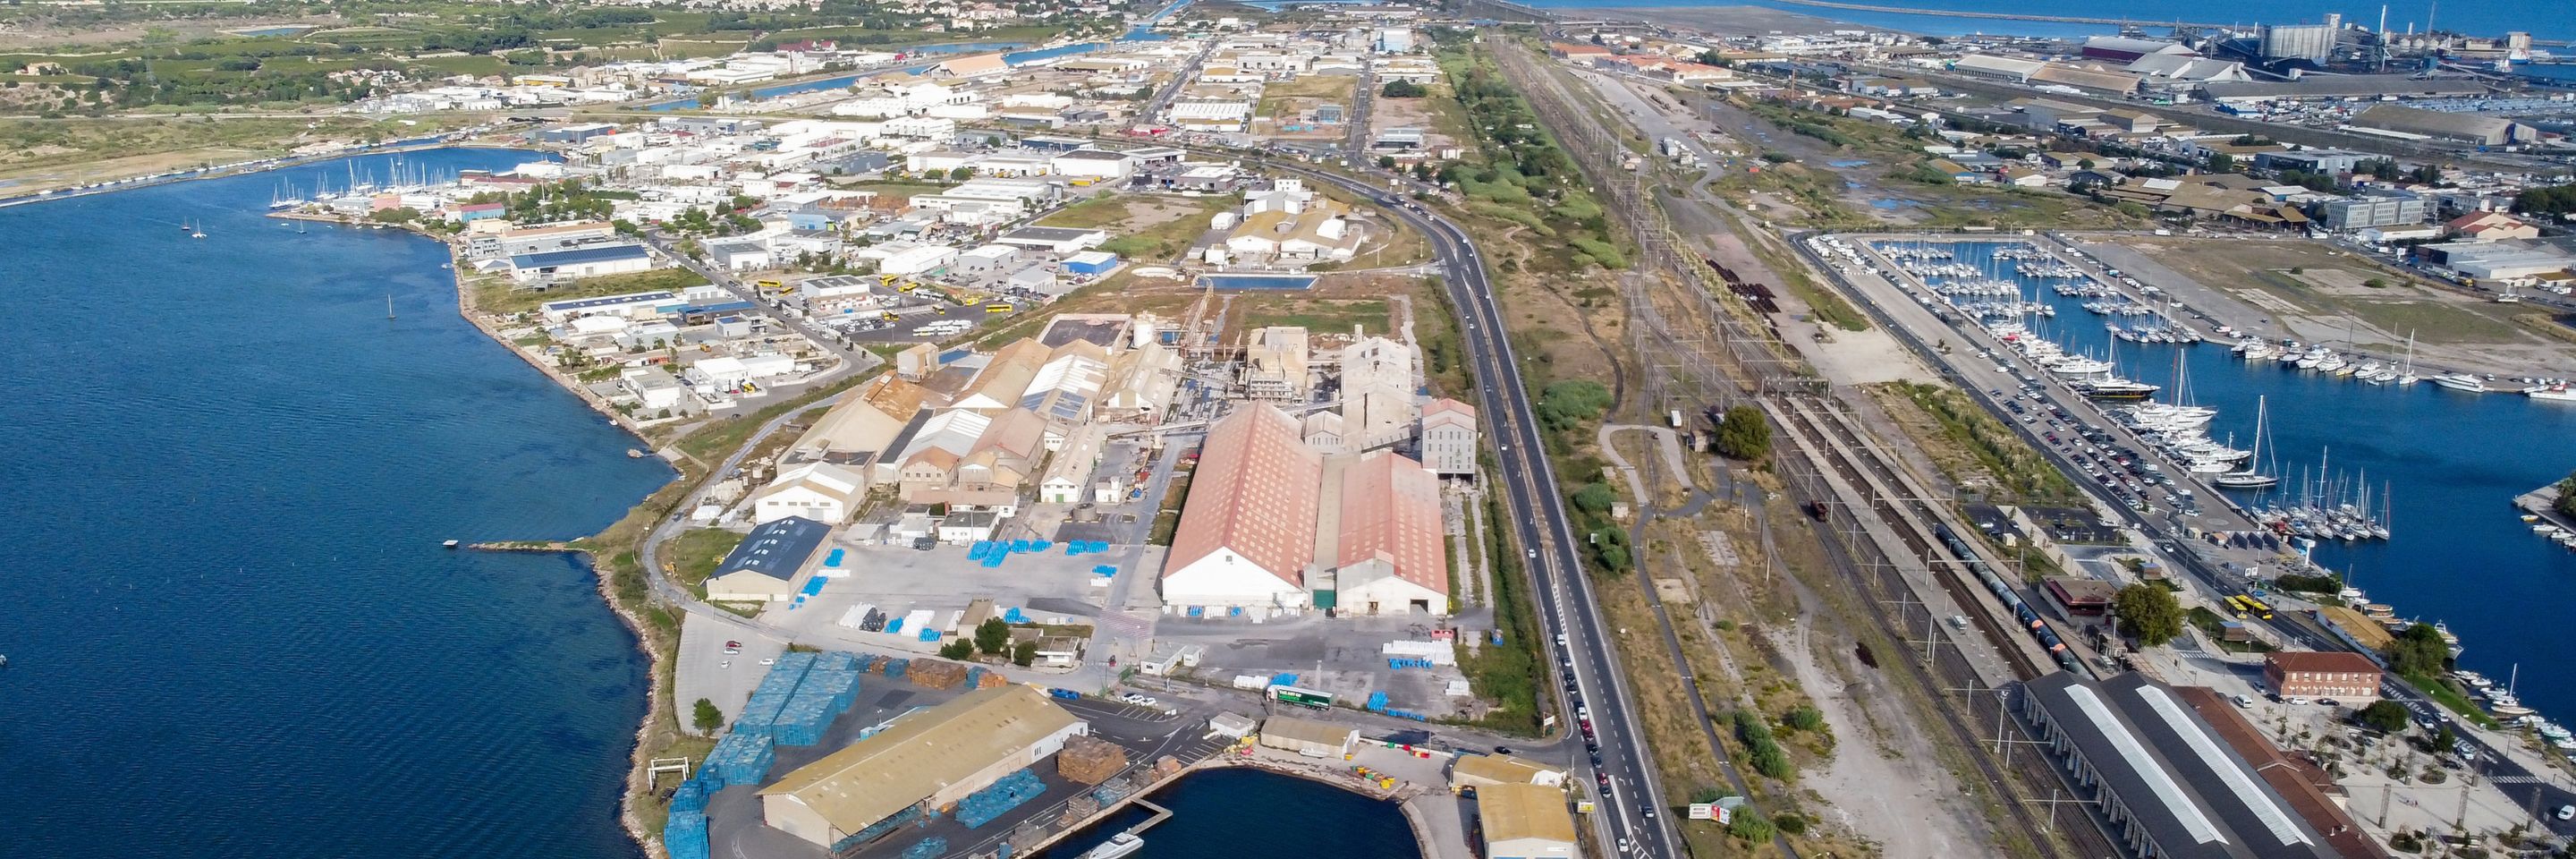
2557	393
2247	477
2460	382
2079	366
1118	845
2116	388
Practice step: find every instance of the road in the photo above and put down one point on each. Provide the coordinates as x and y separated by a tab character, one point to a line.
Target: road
853	358
1567	609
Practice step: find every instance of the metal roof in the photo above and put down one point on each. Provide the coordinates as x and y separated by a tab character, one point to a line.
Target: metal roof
776	550
610	301
921	755
2190	794
578	256
1524	812
1254	494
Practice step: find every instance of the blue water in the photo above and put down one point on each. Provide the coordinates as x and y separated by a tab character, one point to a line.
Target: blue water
1250	814
2544	20
2456	461
232	632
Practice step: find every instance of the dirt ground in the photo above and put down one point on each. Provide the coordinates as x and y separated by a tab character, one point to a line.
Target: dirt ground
34	31
2315	292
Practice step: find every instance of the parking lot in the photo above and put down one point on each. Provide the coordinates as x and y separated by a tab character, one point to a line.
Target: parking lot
1337	655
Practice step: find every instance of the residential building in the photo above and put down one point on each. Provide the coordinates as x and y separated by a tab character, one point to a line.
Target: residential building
2345	676
1449	438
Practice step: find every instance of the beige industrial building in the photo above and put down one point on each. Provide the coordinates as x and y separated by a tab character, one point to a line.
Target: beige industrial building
1308	737
1477	772
1525	821
934	757
1377	393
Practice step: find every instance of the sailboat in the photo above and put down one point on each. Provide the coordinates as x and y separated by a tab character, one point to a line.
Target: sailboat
389	305
2248	477
2407	376
196	232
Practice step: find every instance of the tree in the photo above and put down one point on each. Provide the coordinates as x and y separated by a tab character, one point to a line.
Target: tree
2383	715
1804	718
1403	89
706	717
1595	498
993	636
2221	162
402	215
961	649
2418	652
1386	162
1024	653
1744	434
2425	174
625	227
2566	502
2148	613
961	173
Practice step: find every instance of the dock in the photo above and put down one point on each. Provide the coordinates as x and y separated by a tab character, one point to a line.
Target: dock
2543	502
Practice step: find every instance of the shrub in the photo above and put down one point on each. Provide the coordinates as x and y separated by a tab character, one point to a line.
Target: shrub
1804	719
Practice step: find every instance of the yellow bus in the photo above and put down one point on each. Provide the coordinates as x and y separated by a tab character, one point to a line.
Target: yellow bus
2237	605
2260	610
772	285
908	286
999	307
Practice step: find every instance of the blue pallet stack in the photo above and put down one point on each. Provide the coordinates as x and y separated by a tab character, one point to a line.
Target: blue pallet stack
692	796
1376	701
1283	680
928	848
974	676
685	834
742	758
770	697
896	667
1006	793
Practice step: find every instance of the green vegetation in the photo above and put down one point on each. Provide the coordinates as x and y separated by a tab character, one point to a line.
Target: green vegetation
1519	174
1747	824
1570	404
1093	213
2551	201
706	717
2566	503
993	636
1760	749
1744	434
2419	652
2383	715
958	649
2023	474
1165	241
2147	613
1804	718
1403	89
1509	675
695	553
499	295
1319	315
2296	583
1024	653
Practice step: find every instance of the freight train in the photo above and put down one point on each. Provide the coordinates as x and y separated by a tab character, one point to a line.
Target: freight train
2029	618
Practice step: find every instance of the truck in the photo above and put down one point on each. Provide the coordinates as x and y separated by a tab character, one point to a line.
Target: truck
1302	697
1064	694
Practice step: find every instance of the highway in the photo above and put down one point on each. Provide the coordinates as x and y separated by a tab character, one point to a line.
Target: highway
1566	607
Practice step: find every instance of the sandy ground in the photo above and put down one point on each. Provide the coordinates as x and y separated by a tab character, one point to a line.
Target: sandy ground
2455	331
1884	781
1729	20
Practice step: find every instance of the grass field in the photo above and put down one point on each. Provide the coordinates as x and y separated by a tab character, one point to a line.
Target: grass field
2298	277
1285	98
693	554
496	294
1318	315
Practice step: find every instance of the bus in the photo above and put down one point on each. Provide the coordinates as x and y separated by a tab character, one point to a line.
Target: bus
2259	609
908	286
772	285
999	307
1301	697
2237	605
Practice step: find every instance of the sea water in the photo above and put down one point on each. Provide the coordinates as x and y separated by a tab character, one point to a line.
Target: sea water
232	631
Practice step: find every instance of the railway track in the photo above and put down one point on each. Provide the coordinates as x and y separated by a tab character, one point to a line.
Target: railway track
1825	437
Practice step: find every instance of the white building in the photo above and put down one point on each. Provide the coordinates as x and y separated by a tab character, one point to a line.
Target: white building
739	255
821	491
1449	438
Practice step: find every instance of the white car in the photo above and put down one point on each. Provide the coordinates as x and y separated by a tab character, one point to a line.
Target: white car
2567	812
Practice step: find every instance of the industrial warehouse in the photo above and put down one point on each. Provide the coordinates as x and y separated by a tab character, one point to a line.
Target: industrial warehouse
2168	784
935	757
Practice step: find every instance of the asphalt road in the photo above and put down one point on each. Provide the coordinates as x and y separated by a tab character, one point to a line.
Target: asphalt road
1567	609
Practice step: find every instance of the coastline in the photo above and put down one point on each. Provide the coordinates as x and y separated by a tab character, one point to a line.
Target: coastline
659	655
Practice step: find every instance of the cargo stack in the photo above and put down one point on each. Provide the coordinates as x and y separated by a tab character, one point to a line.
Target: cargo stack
934	674
992	680
1089	760
1006	793
685	834
895	667
741	758
827	691
975	676
768	699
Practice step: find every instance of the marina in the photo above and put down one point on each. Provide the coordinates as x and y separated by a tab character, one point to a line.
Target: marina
2423	456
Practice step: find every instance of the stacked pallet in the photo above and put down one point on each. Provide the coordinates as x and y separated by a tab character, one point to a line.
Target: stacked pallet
1090	760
